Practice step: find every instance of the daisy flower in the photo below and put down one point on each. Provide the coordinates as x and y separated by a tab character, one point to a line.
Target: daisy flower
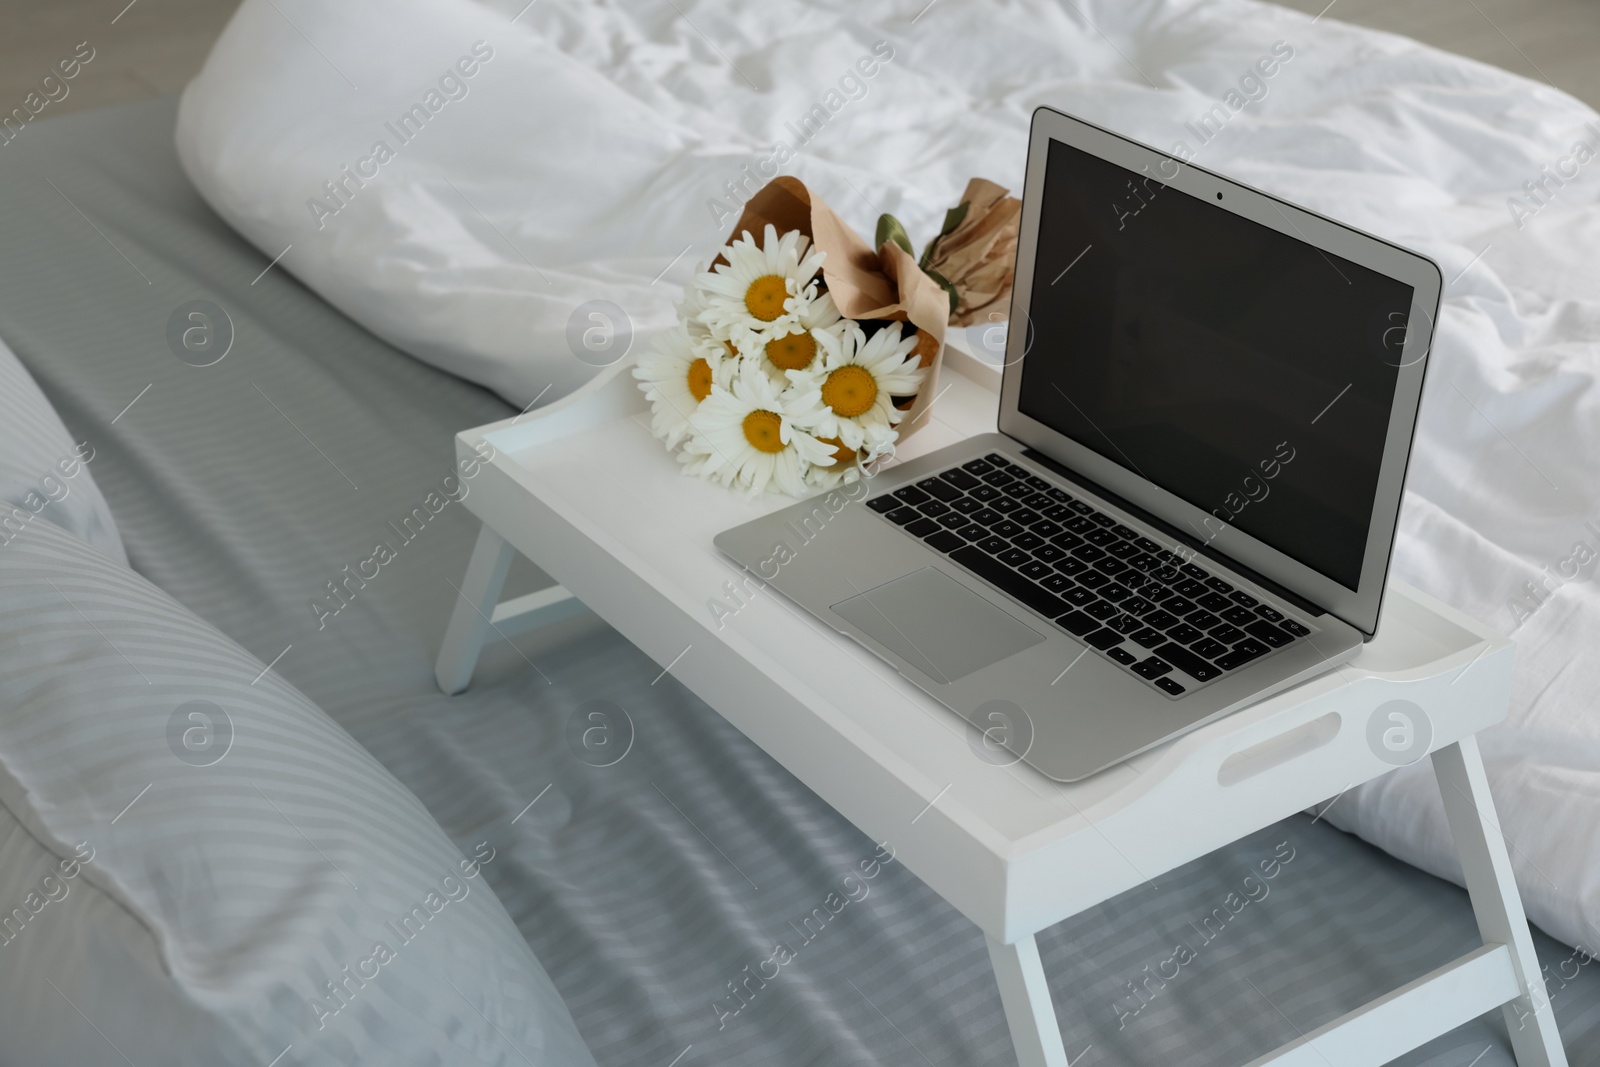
689	312
676	376
694	457
851	464
761	290
797	350
754	437
845	466
852	386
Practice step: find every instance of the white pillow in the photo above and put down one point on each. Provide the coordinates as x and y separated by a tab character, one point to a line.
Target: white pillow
44	473
474	244
199	867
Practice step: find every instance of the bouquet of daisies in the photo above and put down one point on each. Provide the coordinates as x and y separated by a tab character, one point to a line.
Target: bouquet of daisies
764	386
802	355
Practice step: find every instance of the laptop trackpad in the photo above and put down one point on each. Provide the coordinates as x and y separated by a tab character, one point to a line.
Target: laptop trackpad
936	624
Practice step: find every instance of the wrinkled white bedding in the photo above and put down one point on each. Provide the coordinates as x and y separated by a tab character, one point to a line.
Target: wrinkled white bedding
588	156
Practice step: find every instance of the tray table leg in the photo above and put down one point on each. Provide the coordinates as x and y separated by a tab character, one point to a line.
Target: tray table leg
475	604
1501	920
1026	998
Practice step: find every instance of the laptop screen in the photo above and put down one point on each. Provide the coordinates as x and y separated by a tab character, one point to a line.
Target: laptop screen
1243	370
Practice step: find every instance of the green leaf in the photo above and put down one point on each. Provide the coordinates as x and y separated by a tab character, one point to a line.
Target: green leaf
954	217
889	229
944	283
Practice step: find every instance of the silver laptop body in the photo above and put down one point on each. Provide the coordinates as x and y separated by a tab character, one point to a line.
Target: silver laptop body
1205	422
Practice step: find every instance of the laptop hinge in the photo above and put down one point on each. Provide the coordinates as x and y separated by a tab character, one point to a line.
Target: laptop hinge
1175	533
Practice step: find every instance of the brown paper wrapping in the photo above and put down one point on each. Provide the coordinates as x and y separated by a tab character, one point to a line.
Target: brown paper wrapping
886	284
978	257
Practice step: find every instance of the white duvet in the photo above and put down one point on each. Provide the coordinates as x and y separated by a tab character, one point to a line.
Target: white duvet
462	176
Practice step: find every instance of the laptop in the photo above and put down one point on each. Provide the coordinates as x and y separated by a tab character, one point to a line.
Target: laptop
1206	410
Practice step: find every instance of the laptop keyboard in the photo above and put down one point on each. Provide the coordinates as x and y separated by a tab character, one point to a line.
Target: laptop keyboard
1171	623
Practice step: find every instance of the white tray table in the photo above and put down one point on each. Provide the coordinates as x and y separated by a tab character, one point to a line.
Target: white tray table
584	491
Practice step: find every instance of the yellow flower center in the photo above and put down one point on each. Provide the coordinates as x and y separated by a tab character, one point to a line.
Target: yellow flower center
850	391
793	351
765	297
761	429
700	379
843	456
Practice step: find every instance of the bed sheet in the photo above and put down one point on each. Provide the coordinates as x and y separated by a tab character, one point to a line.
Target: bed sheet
646	888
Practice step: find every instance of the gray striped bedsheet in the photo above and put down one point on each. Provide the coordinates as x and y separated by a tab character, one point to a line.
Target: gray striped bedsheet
647	887
44	473
291	896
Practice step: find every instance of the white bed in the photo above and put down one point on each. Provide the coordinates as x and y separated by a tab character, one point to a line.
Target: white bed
600	152
579	165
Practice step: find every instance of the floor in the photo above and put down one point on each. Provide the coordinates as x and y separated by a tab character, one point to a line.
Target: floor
153	47
140	50
1554	41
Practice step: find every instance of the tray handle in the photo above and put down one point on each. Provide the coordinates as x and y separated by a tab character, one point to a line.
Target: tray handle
1275	751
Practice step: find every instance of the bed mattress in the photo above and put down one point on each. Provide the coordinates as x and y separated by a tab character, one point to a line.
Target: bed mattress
650	888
